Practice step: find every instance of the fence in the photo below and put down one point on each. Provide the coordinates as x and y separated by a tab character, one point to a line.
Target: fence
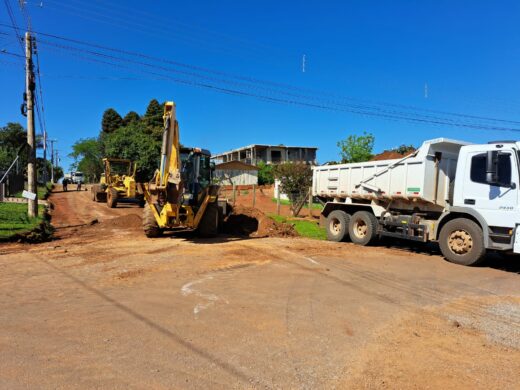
13	183
234	193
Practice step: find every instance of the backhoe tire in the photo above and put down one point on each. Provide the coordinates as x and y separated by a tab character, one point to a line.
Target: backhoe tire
462	242
208	225
337	225
150	227
362	228
112	198
141	202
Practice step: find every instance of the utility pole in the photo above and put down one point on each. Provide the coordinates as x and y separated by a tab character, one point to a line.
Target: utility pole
52	159
32	209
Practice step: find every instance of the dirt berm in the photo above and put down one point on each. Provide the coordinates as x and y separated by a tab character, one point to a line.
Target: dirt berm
243	221
248	221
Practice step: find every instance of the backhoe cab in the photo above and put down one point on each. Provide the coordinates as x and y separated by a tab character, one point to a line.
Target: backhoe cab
181	195
117	183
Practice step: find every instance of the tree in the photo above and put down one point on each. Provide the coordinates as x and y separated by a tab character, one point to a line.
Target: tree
404	149
131	117
134	143
356	148
87	154
111	121
265	173
295	181
12	137
153	118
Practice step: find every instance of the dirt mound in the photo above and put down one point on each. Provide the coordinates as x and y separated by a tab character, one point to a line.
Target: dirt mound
130	221
248	221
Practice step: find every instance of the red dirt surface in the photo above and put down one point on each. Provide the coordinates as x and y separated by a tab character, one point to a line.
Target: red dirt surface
247	221
263	201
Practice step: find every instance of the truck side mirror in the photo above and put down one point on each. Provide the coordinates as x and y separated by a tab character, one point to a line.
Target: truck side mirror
492	167
212	166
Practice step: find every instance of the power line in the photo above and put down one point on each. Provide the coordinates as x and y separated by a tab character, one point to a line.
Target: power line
374	106
368	110
14	25
295	102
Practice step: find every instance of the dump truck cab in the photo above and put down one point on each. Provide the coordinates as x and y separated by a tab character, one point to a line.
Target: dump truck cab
486	187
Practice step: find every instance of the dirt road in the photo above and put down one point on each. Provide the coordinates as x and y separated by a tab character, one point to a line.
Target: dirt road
104	307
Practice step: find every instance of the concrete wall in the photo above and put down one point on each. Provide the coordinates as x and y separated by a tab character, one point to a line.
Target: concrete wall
236	177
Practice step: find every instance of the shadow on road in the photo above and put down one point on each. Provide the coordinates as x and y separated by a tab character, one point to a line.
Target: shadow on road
499	261
210	358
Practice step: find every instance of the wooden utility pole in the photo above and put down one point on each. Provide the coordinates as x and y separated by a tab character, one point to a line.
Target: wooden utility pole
32	209
52	159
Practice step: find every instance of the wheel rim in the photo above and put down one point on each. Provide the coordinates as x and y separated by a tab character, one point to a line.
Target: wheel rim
460	242
335	226
360	228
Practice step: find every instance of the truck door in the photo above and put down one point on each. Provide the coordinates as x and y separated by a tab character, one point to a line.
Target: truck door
496	203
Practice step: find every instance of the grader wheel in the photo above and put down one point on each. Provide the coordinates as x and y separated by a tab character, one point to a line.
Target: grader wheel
112	198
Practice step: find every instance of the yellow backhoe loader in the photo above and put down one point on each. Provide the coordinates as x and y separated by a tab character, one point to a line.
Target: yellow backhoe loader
117	183
181	195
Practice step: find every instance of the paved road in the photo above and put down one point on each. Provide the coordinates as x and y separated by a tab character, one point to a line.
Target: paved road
104	307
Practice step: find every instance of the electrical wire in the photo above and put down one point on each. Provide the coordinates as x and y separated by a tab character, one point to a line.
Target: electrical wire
359	104
287	101
378	111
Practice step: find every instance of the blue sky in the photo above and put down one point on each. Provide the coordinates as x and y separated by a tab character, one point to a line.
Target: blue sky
467	52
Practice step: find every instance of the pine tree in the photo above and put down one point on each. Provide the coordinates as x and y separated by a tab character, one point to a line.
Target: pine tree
131	117
111	121
153	117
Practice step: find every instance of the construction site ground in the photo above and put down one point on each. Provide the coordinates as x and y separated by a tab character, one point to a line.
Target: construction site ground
102	306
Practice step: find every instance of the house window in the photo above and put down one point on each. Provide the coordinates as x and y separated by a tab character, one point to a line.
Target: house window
276	156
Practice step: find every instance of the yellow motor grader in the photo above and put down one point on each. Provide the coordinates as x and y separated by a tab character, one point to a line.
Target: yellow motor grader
181	195
117	183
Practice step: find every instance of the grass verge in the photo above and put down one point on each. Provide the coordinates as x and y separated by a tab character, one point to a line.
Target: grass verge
285	202
305	228
15	224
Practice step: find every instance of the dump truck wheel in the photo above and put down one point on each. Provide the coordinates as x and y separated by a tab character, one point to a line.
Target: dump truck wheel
362	228
150	227
337	225
462	242
112	198
208	226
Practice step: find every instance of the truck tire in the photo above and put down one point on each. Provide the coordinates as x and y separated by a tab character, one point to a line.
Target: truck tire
337	225
112	198
150	227
208	225
462	242
362	228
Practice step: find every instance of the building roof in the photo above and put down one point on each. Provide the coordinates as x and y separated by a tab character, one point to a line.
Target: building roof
265	146
236	165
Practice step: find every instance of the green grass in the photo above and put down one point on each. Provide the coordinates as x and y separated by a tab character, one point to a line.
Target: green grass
14	219
309	229
285	202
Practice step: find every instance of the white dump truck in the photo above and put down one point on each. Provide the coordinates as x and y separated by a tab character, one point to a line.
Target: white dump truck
463	196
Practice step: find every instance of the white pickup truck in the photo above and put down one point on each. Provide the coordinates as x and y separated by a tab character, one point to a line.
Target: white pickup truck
461	195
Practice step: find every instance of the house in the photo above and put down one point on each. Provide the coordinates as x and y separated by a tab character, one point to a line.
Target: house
269	154
236	173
